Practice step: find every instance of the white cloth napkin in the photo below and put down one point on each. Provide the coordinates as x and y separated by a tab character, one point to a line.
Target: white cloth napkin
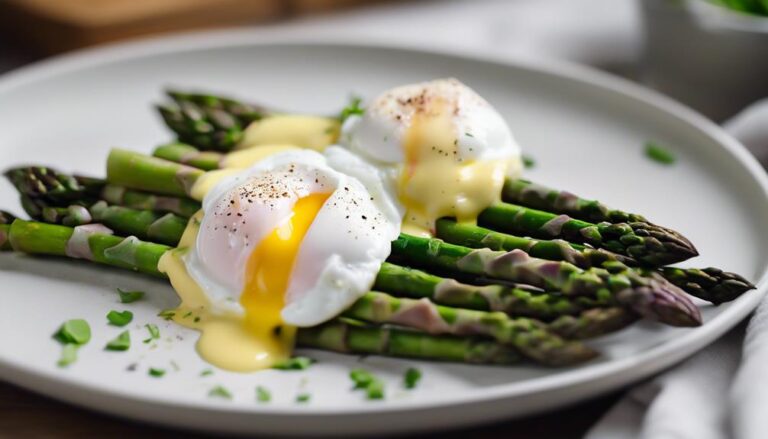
721	392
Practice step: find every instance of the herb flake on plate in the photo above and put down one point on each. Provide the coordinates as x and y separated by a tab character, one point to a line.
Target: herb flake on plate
120	343
119	318
129	296
659	154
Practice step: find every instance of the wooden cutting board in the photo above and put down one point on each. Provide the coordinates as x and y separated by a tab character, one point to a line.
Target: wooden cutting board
51	26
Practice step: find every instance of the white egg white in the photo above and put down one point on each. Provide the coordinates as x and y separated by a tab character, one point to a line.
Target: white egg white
339	256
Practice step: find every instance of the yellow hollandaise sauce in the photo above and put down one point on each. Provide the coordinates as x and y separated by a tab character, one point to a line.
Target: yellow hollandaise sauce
303	131
435	182
258	338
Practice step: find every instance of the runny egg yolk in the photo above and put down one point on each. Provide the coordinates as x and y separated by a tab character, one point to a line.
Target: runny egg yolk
435	182
267	277
259	338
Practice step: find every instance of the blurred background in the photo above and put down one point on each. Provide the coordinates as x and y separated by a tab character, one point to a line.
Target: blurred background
709	54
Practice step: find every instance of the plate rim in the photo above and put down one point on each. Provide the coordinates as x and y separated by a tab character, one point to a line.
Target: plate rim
620	372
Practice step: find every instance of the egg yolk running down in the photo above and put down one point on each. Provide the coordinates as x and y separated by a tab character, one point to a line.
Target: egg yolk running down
268	274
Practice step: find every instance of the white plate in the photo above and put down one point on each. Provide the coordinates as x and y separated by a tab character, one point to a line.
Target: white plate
585	129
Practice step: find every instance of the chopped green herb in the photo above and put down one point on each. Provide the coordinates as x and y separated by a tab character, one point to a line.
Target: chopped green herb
375	390
303	398
155	372
353	108
468	134
294	363
189	313
206	372
154	332
167	314
528	162
120	343
412	377
659	154
220	392
374	387
119	318
262	394
197	319
361	378
68	355
129	296
75	331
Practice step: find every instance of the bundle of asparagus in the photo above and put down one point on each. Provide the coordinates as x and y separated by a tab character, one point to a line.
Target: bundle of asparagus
573	269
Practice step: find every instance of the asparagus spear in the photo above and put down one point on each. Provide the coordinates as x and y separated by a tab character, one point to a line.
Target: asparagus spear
121	196
537	196
647	243
410	282
6	218
43	188
63	189
530	337
189	155
91	243
711	284
346	336
556	249
649	295
208	121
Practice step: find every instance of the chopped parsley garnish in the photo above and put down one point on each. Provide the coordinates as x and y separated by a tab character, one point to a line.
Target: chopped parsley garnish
353	108
528	162
263	394
75	331
120	343
119	318
303	398
374	387
294	363
411	377
68	355
154	332
206	372
220	392
129	296
155	372
72	334
468	134
659	154
167	314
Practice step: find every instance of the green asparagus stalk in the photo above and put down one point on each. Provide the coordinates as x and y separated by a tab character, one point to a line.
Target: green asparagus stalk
144	224
63	189
647	243
189	155
592	323
529	337
46	193
207	121
711	284
6	218
151	174
91	243
557	249
649	295
410	282
121	196
345	336
537	196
